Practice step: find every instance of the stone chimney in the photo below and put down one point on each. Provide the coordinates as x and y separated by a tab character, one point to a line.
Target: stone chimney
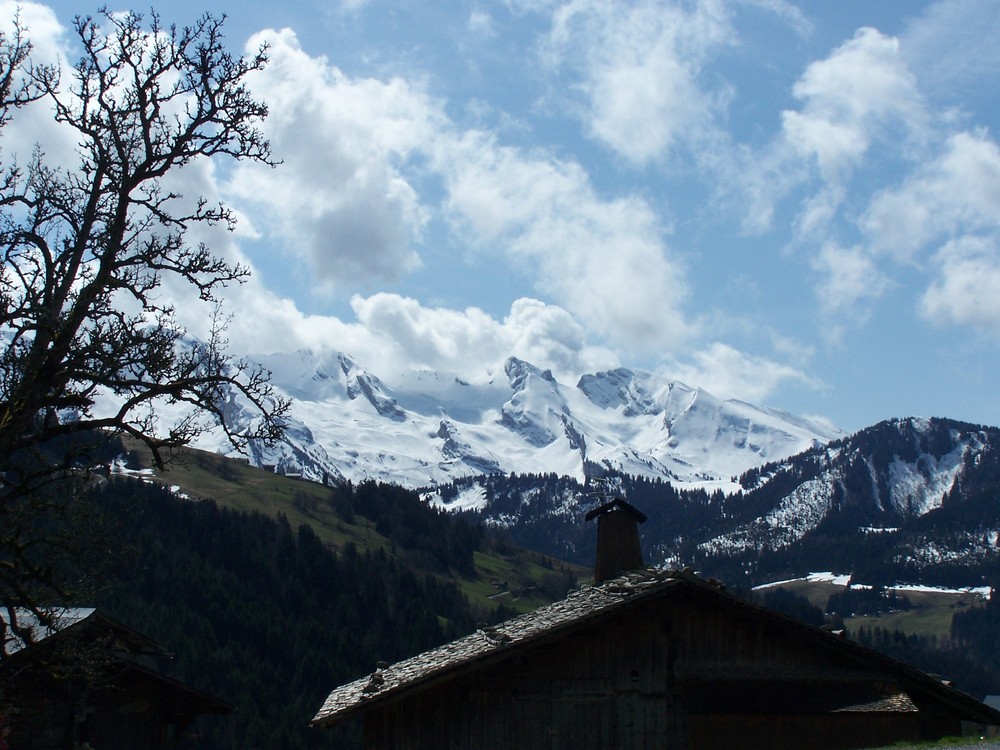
618	549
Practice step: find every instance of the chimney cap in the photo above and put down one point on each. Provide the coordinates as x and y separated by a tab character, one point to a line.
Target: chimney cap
612	505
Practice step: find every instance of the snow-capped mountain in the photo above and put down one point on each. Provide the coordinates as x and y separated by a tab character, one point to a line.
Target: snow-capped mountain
904	500
731	488
885	477
429	428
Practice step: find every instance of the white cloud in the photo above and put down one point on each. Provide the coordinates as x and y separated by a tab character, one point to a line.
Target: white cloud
952	46
40	26
352	6
549	335
861	113
481	23
860	94
786	11
395	333
261	320
363	165
35	124
849	281
340	198
957	193
847	97
851	98
604	260
434	338
638	67
967	292
345	198
726	372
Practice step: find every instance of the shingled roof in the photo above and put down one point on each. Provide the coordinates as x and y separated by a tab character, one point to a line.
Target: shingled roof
581	607
490	643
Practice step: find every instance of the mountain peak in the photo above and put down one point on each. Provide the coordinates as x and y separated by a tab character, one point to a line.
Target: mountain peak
360	382
429	428
518	371
620	388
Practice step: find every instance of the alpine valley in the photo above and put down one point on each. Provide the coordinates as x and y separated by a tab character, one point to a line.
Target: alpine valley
275	588
741	492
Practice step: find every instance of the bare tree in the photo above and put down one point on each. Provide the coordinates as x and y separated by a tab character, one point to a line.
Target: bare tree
15	90
86	251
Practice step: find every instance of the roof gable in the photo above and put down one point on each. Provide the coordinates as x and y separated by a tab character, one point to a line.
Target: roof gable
490	643
97	642
65	622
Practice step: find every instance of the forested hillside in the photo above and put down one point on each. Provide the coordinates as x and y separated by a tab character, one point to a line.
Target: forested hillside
907	500
968	655
977	633
264	615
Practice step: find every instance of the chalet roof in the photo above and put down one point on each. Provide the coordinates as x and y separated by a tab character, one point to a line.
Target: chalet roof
129	654
65	621
584	606
485	644
61	619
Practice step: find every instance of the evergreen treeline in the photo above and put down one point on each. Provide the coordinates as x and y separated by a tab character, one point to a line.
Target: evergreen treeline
877	542
791	604
264	615
856	601
977	631
971	659
434	539
949	660
526	503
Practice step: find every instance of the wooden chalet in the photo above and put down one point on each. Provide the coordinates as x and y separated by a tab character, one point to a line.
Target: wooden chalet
88	681
650	659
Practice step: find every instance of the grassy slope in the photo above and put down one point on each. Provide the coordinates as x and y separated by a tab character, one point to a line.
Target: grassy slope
930	614
528	579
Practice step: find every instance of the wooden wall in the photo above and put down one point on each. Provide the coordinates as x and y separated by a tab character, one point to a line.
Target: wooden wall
597	688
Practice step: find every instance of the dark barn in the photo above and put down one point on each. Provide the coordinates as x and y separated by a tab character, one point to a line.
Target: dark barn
89	681
650	659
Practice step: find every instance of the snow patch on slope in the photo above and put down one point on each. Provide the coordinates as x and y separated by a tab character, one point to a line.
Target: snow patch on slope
469	498
795	516
919	487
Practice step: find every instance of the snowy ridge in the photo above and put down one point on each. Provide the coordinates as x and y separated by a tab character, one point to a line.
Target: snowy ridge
745	481
918	487
899	470
904	500
429	428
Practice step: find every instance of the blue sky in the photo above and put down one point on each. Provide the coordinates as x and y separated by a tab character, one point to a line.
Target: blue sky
796	205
